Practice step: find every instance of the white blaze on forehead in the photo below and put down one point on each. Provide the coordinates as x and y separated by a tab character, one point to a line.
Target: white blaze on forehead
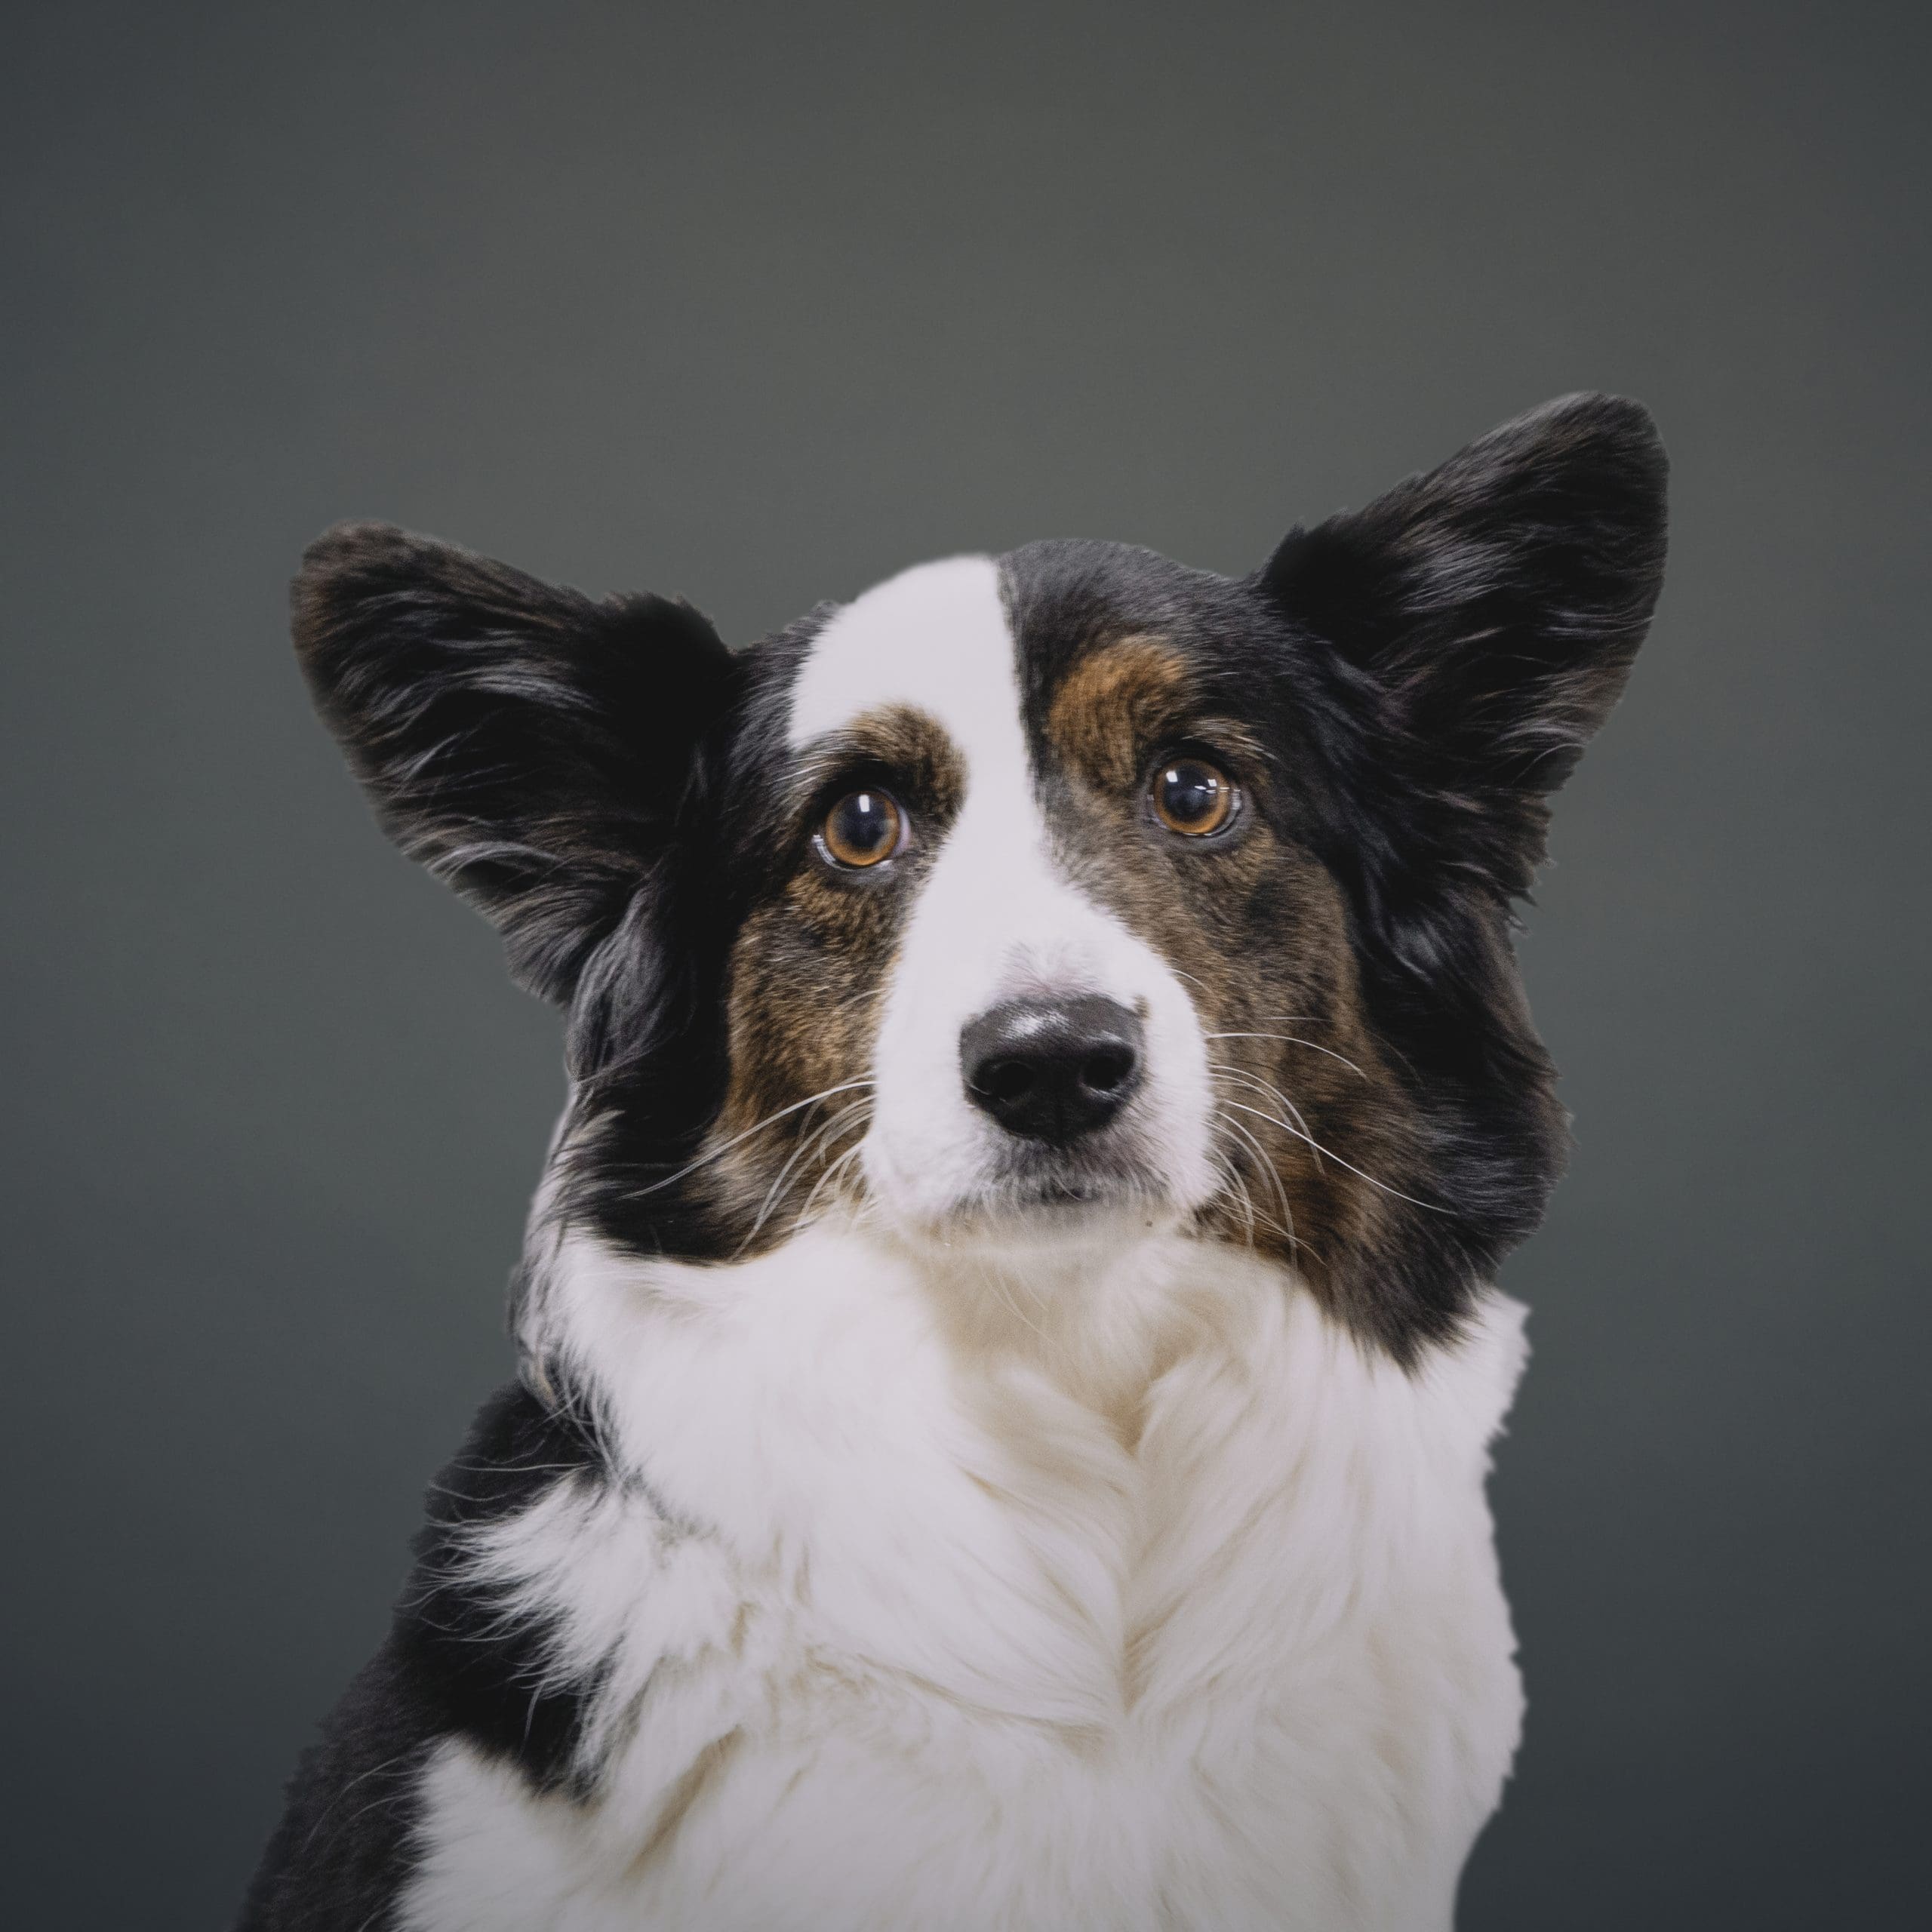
934	638
996	915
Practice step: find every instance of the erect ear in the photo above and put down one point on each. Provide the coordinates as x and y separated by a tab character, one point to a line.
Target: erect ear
528	745
1484	617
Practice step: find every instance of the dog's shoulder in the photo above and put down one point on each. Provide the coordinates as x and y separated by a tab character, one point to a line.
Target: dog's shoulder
483	1653
341	1852
461	1661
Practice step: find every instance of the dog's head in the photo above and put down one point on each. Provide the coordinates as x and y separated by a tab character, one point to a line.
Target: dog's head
1041	898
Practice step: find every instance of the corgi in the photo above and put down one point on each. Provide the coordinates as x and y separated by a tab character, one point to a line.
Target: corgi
1009	1358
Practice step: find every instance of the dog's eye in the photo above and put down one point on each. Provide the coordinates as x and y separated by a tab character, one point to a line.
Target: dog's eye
862	829
1193	797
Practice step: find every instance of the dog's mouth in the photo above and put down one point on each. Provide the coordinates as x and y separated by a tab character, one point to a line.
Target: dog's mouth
1011	1195
1062	1193
1048	1196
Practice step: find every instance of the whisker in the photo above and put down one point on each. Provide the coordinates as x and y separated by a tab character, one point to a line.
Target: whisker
1233	1174
1288	1232
829	1173
1432	1207
757	1127
1268	1168
802	1153
1268	1087
1296	1246
1293	1040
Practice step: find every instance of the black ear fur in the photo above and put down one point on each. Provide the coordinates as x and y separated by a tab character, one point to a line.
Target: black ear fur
1455	644
1483	618
528	745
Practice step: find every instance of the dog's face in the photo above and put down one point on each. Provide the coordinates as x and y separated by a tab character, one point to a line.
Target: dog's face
1040	900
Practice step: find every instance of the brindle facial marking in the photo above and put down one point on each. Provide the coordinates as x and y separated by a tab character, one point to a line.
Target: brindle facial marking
807	975
1258	931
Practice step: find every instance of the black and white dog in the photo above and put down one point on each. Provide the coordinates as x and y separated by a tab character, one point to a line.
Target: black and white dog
1008	1364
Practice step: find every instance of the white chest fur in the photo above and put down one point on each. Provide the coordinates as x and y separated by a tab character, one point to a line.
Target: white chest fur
1149	1601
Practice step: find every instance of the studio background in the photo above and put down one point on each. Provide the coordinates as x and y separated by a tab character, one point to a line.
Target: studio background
758	305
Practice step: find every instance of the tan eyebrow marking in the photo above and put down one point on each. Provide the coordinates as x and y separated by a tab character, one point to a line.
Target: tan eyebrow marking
1114	704
903	739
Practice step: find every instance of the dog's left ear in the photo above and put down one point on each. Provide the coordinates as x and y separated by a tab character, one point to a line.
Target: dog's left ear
1482	620
531	746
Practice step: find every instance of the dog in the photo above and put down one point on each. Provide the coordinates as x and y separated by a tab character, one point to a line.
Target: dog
1008	1354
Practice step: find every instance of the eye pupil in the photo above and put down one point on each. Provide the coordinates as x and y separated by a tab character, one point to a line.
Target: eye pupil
1191	796
862	829
1190	793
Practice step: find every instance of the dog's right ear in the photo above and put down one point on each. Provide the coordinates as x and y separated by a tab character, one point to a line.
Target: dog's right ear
529	746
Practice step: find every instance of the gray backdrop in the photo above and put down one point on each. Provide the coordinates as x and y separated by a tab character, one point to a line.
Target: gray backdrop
758	305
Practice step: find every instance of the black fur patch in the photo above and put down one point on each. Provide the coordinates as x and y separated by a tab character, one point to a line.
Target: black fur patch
457	1663
580	771
531	746
492	1670
343	1850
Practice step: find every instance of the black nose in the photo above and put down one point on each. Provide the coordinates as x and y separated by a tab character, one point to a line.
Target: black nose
1052	1069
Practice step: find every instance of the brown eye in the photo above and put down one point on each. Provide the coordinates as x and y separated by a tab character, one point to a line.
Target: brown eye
862	829
1193	797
